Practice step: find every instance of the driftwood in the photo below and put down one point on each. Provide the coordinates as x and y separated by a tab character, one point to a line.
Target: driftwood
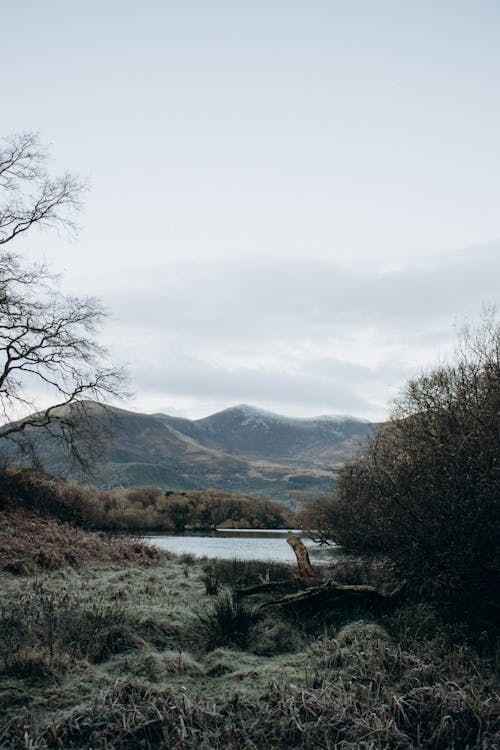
316	587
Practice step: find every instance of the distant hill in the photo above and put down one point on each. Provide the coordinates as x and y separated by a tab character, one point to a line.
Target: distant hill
240	449
256	434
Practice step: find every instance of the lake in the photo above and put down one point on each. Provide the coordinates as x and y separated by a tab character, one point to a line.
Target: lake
243	544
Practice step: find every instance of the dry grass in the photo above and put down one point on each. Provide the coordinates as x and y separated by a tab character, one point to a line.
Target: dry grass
31	542
337	712
115	654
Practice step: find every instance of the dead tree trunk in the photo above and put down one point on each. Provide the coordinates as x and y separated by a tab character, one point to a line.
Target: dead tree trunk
307	574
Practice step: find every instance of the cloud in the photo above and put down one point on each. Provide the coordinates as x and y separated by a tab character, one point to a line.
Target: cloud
188	377
309	334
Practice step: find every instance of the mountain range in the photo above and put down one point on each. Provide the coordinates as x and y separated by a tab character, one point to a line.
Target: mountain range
242	448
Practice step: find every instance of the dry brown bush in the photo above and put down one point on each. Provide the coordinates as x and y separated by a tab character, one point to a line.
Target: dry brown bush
30	541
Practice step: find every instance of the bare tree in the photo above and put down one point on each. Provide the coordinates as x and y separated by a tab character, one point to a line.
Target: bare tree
48	340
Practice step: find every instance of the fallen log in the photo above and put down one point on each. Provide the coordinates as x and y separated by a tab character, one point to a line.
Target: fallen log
332	590
312	586
301	596
316	587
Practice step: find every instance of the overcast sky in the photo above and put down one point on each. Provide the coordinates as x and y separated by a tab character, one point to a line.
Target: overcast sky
292	204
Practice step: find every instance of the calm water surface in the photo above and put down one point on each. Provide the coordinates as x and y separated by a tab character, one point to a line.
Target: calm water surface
243	544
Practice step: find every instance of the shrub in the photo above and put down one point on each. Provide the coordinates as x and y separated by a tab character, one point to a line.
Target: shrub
62	499
426	492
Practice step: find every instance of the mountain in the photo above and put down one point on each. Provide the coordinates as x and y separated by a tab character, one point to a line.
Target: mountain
262	435
241	449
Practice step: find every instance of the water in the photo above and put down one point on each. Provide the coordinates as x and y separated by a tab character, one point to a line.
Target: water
243	544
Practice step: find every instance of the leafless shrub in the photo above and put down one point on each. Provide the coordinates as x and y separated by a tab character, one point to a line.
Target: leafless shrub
425	493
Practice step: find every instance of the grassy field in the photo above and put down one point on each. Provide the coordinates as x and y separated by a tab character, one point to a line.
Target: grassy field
121	648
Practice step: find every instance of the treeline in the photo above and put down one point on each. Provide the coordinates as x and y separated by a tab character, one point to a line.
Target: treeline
137	508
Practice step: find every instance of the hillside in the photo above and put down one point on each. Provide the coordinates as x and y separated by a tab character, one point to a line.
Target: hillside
240	449
262	435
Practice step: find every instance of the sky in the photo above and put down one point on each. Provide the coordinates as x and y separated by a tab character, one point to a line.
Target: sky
291	204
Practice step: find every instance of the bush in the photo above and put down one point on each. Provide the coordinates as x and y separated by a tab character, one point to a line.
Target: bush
426	492
52	496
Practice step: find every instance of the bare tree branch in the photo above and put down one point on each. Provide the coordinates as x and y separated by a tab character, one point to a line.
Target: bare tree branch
29	195
48	341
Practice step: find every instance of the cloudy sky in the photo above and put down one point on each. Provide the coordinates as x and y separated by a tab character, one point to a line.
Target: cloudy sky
292	204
